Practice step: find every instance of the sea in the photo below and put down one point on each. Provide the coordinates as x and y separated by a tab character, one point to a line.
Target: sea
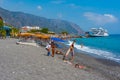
104	47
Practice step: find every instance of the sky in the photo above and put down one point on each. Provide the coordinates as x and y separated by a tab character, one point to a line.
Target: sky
86	13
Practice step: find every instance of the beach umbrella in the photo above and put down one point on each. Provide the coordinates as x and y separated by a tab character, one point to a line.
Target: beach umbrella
45	37
6	28
57	39
42	36
38	35
25	34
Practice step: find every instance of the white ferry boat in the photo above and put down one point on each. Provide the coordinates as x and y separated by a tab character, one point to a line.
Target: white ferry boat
98	32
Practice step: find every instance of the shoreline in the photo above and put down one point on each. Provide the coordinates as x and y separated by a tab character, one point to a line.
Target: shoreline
97	56
94	52
107	68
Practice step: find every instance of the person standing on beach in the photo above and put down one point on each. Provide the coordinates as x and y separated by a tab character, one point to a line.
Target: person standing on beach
70	50
48	49
53	48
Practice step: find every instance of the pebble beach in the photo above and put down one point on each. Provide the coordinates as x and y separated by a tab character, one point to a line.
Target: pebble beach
25	62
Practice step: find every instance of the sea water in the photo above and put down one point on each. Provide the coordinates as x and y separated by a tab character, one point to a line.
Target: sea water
105	47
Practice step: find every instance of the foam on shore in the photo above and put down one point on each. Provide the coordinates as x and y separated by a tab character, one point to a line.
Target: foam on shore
97	52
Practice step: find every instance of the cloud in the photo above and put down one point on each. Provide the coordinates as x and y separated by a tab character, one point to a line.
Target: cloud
1	1
100	18
39	7
57	2
72	5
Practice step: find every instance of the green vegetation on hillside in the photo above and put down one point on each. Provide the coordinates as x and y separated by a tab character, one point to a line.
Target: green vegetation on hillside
44	30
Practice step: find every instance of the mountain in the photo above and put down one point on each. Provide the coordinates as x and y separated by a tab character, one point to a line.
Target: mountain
19	19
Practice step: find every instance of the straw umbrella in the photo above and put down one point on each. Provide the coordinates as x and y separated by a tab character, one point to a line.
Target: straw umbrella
25	34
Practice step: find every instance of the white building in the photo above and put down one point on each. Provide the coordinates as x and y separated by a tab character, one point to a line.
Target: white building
28	28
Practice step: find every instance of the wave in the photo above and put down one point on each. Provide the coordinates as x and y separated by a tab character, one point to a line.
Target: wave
98	52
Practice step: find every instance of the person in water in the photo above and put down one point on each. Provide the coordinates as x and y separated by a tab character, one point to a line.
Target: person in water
81	45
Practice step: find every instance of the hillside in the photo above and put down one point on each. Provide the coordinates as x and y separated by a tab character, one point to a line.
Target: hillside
19	19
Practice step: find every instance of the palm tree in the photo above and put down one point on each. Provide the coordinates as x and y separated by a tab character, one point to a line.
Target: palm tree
1	27
14	32
3	33
1	23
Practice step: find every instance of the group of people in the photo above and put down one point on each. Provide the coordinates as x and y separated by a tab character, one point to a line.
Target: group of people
51	47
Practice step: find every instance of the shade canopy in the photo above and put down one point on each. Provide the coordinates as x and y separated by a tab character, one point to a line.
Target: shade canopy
25	34
6	28
57	39
42	36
